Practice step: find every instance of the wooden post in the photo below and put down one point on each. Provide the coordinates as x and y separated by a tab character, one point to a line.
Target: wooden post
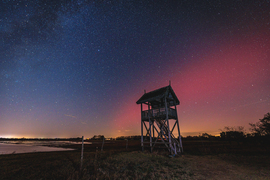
127	144
174	148
141	127
150	133
153	129
150	126
96	153
179	134
102	144
167	119
82	155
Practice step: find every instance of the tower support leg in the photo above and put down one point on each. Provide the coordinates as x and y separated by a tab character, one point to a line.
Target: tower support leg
142	128
150	134
142	135
168	126
179	135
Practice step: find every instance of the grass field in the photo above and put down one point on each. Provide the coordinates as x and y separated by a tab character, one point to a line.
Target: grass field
201	160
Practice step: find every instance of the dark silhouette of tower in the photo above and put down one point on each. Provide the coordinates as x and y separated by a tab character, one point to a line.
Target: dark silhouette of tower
159	119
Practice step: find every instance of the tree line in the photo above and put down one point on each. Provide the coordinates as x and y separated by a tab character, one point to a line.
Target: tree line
258	130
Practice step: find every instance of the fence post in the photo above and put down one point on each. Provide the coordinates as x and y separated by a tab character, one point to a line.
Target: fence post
127	144
82	155
96	153
102	144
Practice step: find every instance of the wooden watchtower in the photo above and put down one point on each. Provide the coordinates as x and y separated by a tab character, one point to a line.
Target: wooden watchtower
159	119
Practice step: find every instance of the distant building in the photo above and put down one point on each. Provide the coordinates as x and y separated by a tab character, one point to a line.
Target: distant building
97	137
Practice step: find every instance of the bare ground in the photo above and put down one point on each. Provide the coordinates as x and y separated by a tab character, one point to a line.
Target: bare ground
117	162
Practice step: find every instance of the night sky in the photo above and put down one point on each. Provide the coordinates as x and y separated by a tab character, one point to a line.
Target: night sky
73	68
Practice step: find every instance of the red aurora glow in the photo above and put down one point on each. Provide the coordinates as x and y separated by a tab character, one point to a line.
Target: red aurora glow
219	89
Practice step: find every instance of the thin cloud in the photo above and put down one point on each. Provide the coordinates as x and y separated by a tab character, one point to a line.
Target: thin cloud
71	116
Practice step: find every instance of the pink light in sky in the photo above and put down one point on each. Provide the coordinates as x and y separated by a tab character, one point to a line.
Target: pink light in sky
226	87
213	87
126	119
223	72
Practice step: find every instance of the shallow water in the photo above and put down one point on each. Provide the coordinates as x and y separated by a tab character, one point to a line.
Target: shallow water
9	148
44	143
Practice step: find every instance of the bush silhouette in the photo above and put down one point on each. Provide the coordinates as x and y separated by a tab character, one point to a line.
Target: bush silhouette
261	128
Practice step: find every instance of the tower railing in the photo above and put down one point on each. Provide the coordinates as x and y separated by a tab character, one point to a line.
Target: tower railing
158	113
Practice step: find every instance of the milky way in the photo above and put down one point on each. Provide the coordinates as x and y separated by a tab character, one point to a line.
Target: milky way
73	68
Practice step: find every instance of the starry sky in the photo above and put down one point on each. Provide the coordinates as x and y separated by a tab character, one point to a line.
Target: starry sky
76	67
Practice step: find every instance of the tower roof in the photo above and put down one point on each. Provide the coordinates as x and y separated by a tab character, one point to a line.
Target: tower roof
158	94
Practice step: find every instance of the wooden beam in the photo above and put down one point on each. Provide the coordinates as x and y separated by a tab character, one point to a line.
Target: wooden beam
179	135
146	128
150	127
159	135
173	127
142	128
167	119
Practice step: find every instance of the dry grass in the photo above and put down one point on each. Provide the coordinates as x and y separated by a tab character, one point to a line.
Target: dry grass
138	165
117	163
223	167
